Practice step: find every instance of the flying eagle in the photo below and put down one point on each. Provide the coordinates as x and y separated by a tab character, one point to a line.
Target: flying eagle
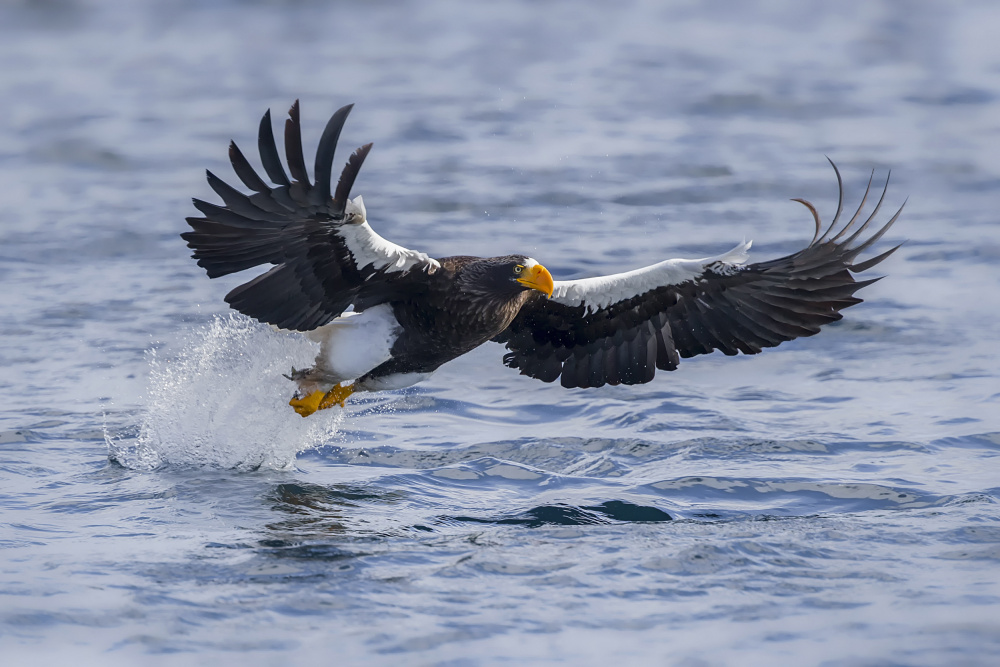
412	313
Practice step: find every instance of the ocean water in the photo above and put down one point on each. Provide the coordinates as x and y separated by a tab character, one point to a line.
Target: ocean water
833	501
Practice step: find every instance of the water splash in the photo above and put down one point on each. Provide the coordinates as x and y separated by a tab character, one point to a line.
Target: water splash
222	402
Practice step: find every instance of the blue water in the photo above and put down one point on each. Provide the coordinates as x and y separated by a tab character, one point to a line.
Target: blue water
833	501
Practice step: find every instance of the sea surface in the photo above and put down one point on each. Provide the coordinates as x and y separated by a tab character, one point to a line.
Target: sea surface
833	501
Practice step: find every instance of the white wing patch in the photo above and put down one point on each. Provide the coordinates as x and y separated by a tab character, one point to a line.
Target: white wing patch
601	292
370	249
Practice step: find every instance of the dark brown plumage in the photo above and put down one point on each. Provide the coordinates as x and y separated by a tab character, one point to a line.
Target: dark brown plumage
443	322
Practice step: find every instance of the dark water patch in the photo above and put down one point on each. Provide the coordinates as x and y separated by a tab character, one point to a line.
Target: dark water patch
312	511
560	515
618	510
310	551
566	515
315	496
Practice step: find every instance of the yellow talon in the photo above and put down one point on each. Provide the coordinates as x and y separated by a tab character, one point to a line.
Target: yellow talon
336	396
307	405
318	400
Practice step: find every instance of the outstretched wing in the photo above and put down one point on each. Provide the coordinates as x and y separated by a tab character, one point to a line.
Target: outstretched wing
619	329
325	255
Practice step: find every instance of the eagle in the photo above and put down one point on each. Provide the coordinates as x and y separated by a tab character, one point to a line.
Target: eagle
386	317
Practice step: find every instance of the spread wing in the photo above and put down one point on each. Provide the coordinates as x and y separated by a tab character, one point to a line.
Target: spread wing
324	254
619	329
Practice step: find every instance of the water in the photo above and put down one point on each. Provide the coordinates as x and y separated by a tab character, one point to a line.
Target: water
832	502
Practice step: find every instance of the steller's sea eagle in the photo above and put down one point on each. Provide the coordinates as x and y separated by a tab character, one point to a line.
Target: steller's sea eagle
412	313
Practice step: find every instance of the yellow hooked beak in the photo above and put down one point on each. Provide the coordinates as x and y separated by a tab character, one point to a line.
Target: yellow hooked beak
539	278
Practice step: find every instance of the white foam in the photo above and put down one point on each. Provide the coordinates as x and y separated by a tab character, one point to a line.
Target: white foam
222	402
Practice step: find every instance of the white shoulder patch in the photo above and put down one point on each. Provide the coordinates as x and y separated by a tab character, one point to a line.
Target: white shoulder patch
602	291
370	249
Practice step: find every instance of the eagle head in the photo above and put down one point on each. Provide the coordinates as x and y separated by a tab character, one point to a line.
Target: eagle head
506	277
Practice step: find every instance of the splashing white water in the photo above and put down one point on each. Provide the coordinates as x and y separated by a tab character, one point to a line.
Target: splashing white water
223	402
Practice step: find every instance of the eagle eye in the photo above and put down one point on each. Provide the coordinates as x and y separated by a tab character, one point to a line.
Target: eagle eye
518	268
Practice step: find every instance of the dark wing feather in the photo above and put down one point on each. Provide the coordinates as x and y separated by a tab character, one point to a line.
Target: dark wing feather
725	307
325	152
268	149
297	227
293	147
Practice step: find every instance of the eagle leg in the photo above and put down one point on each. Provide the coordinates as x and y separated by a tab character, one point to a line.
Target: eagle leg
319	400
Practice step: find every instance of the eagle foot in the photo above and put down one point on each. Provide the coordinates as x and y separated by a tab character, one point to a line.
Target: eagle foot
318	400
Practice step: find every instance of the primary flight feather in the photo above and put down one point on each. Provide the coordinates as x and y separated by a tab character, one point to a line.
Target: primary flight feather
412	313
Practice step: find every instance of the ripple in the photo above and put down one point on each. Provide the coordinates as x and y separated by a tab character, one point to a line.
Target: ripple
792	497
